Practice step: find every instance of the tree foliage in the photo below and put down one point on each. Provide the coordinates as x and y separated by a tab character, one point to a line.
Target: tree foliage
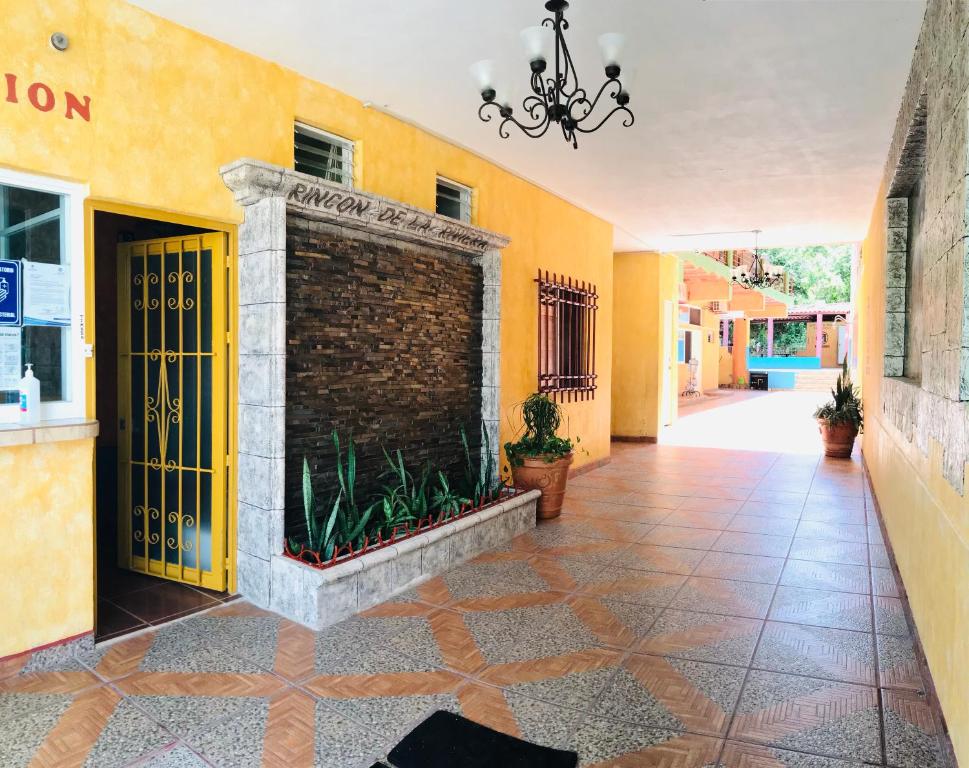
819	272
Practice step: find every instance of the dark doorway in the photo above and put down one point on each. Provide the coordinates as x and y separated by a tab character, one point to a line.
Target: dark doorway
127	601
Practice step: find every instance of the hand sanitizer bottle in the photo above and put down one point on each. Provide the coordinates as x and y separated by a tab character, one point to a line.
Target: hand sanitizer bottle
29	397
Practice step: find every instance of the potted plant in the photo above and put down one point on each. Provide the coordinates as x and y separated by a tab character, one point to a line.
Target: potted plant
540	459
840	419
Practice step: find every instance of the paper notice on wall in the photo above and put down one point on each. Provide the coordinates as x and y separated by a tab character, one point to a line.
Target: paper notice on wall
10	368
47	294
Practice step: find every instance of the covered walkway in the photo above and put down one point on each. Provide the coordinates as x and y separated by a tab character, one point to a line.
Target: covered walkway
699	604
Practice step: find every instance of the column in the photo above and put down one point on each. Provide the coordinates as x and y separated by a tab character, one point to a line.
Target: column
818	333
770	336
724	333
261	343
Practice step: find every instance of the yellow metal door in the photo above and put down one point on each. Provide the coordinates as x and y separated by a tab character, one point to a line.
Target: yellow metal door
172	402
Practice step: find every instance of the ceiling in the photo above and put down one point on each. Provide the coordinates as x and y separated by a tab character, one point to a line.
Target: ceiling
756	114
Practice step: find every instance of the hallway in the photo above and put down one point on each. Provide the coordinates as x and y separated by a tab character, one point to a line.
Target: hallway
693	607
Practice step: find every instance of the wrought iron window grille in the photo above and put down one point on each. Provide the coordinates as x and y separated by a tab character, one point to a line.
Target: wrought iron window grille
566	337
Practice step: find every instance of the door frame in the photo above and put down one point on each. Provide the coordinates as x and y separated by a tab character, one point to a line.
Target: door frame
230	228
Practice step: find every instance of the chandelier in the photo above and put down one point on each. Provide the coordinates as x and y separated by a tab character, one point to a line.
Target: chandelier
556	96
760	273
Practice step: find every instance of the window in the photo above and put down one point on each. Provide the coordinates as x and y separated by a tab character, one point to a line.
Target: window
453	200
322	154
687	346
690	315
566	337
41	227
915	246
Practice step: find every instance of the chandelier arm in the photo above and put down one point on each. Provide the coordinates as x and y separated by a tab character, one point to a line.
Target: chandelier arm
534	131
567	68
584	100
627	121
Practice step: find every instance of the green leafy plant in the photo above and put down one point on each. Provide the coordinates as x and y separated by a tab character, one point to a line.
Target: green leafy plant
445	499
845	407
404	499
542	417
479	481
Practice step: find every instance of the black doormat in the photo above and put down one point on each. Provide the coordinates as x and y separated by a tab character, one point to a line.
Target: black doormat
446	740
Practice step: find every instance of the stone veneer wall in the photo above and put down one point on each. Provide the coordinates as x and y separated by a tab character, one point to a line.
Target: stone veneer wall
270	194
932	137
384	343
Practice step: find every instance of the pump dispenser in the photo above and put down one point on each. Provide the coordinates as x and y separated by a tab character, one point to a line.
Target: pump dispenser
29	397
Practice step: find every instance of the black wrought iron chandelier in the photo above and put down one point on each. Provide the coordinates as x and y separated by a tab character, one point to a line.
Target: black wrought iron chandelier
760	273
556	96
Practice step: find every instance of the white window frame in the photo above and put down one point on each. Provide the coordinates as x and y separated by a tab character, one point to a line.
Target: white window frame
345	144
72	244
465	197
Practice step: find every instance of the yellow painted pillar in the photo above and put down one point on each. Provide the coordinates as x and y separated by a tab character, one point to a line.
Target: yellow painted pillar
741	339
644	386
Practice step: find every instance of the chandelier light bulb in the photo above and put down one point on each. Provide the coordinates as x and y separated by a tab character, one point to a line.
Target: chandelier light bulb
483	73
539	42
611	45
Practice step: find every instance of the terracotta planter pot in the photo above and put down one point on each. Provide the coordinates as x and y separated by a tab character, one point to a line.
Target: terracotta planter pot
839	439
547	477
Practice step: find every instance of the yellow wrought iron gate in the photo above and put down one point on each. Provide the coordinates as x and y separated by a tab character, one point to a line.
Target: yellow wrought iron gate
172	408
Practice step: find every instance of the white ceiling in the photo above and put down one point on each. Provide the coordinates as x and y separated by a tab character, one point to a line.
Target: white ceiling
769	114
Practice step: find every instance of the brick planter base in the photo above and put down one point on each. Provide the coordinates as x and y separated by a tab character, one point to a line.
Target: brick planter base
318	598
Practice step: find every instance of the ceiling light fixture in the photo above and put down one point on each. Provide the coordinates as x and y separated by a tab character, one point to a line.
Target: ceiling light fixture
760	273
556	98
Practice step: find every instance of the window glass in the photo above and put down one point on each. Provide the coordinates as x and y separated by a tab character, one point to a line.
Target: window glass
454	200
322	154
31	230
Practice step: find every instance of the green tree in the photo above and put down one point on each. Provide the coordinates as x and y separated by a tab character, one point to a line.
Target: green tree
819	272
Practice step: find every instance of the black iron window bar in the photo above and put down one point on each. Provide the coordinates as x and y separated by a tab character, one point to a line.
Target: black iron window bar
557	98
566	337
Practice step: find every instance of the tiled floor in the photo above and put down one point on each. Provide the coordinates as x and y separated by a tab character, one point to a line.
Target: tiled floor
692	608
129	601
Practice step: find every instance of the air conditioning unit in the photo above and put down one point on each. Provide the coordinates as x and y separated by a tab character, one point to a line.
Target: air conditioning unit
718	306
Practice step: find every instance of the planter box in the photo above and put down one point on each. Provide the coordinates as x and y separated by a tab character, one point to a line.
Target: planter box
318	597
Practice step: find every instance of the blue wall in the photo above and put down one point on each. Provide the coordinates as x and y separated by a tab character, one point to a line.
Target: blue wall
788	363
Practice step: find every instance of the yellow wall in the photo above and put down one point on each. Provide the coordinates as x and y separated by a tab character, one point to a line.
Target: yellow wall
46	585
710	368
169	107
829	351
927	521
644	320
726	367
741	340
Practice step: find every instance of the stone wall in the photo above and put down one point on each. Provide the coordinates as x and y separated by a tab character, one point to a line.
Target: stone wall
931	141
384	343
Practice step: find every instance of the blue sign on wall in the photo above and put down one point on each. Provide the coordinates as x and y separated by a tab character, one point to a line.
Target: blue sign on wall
10	290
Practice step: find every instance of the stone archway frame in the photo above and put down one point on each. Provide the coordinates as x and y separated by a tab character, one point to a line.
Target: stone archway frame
267	193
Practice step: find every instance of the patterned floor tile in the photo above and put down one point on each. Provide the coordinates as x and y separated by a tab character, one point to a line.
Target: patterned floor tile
606	743
738	755
823	513
126	735
719	506
912	731
752	544
528	633
809	529
879	556
828	551
27	719
810	715
189	716
730	565
733	598
614	530
636	617
236	743
633	586
838	610
716	521
649	557
898	665
837	654
890	617
787	498
253	638
605	511
775	526
676	536
780	510
368	645
393	716
840	503
678	694
702	637
576	690
492	579
540	722
174	649
834	576
178	756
